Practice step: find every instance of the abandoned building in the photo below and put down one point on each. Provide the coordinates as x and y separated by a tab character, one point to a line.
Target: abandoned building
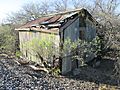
76	24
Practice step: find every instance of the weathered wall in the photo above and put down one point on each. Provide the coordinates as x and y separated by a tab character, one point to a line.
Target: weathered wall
26	36
71	32
90	31
83	29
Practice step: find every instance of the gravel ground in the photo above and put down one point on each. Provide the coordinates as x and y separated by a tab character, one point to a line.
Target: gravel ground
21	77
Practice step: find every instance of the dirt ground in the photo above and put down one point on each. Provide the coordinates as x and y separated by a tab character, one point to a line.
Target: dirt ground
22	77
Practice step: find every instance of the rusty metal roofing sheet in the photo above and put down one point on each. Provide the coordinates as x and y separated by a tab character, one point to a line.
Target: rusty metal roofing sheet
68	15
47	20
34	22
41	20
52	19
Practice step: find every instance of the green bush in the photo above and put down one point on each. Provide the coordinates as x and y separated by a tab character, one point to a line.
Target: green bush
77	50
43	48
18	54
7	39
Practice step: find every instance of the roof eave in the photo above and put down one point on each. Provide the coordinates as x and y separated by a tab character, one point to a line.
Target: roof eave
39	30
22	29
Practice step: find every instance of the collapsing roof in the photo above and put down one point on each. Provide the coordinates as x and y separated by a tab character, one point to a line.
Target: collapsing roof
42	20
75	25
51	23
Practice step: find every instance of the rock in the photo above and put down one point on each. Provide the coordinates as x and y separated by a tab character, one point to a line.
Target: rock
18	77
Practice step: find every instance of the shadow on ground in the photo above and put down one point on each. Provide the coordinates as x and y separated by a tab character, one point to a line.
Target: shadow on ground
104	74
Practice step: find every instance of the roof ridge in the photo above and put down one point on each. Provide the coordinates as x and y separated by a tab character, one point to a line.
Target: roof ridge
64	12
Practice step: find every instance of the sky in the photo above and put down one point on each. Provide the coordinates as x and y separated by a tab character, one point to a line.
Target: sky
8	6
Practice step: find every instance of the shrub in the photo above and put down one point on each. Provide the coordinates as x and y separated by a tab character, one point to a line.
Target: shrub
7	39
77	50
43	48
18	54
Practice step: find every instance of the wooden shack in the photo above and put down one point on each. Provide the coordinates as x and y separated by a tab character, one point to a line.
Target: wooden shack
75	24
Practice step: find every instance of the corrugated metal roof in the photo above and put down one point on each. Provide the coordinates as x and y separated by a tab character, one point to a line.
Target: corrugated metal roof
68	15
34	22
47	20
52	19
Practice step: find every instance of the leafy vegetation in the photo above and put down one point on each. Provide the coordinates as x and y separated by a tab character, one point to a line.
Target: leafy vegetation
105	12
44	49
18	54
80	49
7	39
